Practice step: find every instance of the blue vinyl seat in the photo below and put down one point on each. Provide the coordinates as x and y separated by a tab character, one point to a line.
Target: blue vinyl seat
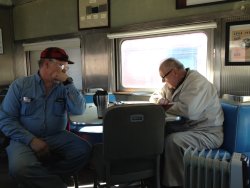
89	97
236	128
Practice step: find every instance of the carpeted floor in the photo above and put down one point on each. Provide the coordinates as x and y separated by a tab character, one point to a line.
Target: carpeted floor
5	180
85	177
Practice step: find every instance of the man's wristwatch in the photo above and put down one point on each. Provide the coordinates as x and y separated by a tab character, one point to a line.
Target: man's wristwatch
69	80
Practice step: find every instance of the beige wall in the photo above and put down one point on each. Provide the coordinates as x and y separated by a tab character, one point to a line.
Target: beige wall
126	12
43	18
6	59
46	18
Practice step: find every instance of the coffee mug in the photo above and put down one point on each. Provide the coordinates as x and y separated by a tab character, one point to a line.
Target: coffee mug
101	100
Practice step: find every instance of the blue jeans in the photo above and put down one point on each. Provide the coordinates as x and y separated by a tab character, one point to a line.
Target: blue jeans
72	153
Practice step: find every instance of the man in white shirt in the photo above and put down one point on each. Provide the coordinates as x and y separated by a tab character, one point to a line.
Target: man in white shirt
195	99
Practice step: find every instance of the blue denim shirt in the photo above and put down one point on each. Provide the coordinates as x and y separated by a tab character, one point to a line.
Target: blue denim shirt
26	111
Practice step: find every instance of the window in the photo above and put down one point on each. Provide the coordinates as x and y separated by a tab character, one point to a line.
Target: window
139	56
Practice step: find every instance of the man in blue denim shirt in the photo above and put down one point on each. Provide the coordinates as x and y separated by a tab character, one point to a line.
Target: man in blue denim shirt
34	116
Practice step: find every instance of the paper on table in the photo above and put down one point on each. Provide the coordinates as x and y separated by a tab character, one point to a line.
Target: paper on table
92	129
88	117
171	117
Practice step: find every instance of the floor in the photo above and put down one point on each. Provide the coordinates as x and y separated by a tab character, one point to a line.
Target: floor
5	180
85	177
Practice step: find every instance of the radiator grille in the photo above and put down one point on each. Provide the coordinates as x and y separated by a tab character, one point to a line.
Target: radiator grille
212	169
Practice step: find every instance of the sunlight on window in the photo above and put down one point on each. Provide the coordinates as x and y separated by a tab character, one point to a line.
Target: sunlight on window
140	58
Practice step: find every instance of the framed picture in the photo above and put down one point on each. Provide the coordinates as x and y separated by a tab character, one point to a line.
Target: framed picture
237	50
195	3
93	13
1	42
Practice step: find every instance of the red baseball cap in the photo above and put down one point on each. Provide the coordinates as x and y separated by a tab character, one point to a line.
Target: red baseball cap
55	53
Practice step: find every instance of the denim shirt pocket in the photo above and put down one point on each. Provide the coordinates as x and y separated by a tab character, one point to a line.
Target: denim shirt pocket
27	107
59	107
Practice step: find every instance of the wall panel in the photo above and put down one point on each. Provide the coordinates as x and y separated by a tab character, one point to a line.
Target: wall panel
42	18
234	79
96	60
6	59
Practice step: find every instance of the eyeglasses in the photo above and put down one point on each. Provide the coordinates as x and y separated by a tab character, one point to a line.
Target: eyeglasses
163	78
63	67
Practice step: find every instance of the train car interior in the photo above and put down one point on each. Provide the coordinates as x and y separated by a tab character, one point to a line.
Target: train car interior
117	47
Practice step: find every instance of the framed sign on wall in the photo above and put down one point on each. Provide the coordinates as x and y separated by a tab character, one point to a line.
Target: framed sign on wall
194	3
1	42
237	50
93	13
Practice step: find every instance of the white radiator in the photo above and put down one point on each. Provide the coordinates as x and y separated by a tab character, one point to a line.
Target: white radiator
206	169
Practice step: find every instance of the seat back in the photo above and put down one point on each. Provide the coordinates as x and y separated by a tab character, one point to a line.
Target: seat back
236	127
133	131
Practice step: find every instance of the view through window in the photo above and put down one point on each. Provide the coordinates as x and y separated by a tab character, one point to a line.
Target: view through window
140	58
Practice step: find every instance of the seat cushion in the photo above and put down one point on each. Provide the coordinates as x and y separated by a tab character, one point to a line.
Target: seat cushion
236	127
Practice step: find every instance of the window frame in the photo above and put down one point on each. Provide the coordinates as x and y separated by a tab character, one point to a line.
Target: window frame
118	60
